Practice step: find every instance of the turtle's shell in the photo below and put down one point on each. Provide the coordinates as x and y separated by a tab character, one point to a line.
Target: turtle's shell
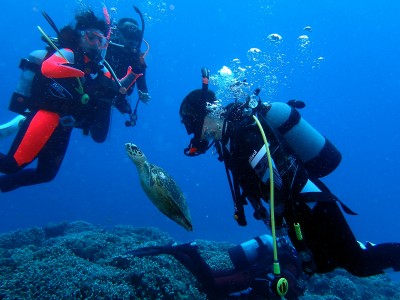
160	188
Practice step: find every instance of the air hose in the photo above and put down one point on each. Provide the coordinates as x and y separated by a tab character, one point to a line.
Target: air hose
280	283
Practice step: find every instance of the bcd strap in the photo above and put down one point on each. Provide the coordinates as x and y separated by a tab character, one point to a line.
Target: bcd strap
25	64
325	196
293	119
237	197
269	131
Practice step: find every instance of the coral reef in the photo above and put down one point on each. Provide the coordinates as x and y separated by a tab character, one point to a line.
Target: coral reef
81	261
72	261
342	285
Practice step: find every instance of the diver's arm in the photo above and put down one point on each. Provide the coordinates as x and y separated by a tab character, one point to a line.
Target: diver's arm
130	78
142	89
56	66
141	83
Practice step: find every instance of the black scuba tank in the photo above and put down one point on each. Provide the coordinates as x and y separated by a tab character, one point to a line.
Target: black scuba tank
319	155
21	98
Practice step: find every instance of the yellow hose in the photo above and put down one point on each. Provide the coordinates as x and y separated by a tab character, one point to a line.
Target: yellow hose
276	266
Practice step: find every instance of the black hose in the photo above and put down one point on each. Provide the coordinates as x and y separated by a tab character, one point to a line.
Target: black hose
51	22
143	25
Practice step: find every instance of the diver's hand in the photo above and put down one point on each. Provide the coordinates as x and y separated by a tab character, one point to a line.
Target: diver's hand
144	97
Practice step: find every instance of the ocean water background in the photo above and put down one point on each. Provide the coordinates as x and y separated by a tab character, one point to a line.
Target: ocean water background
346	72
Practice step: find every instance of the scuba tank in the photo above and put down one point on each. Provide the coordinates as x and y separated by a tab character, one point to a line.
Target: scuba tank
256	251
319	155
21	98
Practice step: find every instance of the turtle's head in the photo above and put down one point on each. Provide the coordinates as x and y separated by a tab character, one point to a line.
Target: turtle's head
135	153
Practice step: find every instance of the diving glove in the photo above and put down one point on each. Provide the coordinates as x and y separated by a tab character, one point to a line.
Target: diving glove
144	97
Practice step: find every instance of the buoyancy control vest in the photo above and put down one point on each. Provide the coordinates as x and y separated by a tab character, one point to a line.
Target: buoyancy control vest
244	154
295	146
60	95
35	91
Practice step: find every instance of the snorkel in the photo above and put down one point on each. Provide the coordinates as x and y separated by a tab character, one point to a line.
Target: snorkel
137	10
51	22
140	38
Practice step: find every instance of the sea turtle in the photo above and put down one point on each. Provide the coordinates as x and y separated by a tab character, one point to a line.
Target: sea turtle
161	189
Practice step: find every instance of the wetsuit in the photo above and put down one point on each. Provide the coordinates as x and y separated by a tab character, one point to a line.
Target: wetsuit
328	239
247	280
56	98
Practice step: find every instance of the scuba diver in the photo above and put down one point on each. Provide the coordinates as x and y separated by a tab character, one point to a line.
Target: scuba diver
251	277
71	89
124	50
123	53
271	154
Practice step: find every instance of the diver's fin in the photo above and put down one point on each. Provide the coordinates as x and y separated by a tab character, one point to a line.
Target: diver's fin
146	251
12	126
137	10
157	250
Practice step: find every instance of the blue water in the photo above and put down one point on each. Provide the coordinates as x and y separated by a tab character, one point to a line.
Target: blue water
347	73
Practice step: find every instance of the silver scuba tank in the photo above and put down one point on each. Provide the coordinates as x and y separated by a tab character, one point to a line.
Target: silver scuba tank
20	99
255	251
319	155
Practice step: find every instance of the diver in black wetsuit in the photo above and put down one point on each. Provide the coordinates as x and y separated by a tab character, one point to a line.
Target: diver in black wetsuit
299	155
124	51
251	276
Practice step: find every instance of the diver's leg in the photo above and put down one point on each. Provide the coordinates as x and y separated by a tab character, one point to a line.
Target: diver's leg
101	122
188	255
8	164
50	158
376	260
325	233
333	244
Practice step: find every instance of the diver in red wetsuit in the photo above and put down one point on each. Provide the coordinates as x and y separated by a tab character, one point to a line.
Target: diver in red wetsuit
73	89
